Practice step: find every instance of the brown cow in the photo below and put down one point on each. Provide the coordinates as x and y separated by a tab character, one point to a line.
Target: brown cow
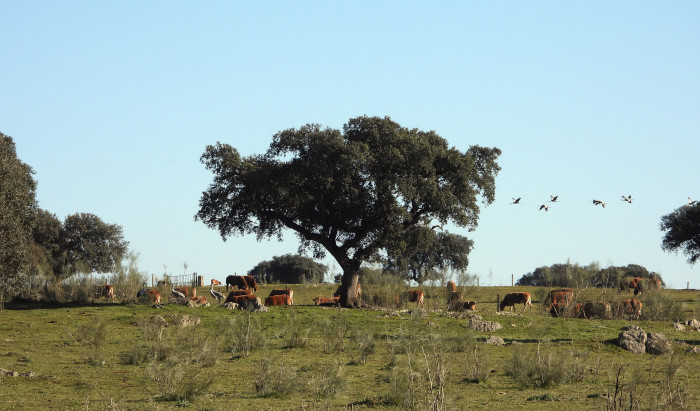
198	300
106	291
188	291
153	296
509	300
562	295
286	291
236	280
250	280
280	299
411	296
237	293
327	302
451	287
632	284
215	282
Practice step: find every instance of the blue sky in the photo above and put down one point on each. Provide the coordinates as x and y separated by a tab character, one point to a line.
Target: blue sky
113	104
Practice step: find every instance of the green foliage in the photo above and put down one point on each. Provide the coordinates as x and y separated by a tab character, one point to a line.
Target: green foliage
273	378
289	269
354	194
577	276
682	231
548	369
424	252
17	216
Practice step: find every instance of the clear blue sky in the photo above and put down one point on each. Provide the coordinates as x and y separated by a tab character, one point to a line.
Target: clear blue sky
113	103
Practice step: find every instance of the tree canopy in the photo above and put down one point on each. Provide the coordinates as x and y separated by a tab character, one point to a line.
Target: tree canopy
352	193
83	243
682	228
575	275
427	251
289	269
17	214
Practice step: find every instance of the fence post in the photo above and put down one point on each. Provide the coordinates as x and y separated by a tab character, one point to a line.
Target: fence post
498	306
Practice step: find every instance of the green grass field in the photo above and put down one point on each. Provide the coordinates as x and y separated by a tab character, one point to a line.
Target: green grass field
118	356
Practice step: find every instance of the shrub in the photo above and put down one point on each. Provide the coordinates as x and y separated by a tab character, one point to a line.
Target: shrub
659	306
274	378
543	370
242	335
365	344
333	332
296	335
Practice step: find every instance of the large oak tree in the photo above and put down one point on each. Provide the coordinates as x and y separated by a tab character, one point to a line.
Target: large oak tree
353	193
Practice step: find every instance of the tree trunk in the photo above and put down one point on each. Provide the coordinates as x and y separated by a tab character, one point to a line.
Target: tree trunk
348	289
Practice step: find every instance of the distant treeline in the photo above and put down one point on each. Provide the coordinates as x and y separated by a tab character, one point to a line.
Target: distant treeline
574	275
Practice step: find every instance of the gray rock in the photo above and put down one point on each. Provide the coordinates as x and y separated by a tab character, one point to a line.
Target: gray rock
632	338
487	326
657	344
693	323
494	340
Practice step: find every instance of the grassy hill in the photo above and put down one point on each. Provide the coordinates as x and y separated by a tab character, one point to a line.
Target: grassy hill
122	356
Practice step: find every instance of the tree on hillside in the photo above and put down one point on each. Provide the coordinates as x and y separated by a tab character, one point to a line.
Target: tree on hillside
17	215
353	194
83	243
682	228
575	275
289	269
426	252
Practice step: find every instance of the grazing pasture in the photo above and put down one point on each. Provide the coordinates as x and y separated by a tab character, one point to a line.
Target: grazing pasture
134	356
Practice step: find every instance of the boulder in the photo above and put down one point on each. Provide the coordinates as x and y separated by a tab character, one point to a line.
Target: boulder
632	338
657	344
679	326
487	326
693	324
494	340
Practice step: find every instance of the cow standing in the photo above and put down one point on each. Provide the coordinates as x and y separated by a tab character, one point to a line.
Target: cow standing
416	296
236	280
509	300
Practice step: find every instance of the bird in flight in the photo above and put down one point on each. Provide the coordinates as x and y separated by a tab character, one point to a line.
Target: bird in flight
516	200
553	199
544	207
628	198
690	202
598	202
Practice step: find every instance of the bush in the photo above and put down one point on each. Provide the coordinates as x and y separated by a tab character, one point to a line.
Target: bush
271	380
543	370
659	306
333	332
241	335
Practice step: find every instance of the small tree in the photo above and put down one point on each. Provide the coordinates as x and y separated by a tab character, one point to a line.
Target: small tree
682	228
289	269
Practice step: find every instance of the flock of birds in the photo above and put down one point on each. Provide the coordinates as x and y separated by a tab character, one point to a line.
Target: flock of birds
178	295
553	199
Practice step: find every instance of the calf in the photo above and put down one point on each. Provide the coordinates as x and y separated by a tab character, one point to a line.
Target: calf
153	296
464	305
215	282
451	287
285	291
279	299
327	302
509	300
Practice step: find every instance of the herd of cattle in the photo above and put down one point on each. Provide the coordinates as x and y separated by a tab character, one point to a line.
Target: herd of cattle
558	303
